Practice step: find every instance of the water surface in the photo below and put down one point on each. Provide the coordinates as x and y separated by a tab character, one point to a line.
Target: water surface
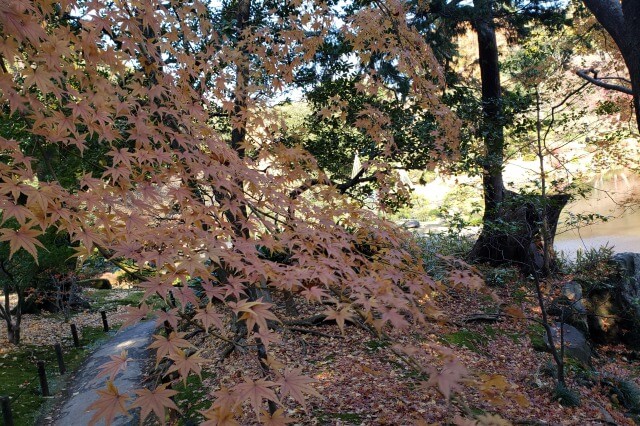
622	230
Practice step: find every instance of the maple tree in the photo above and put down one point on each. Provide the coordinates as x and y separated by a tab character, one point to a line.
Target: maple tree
195	189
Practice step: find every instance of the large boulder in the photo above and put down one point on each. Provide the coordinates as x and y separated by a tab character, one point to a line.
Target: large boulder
576	345
614	305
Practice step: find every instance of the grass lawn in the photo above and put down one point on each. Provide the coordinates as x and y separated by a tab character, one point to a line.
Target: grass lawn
19	379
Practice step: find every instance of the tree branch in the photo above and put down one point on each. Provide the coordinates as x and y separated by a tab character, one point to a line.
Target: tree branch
600	83
342	187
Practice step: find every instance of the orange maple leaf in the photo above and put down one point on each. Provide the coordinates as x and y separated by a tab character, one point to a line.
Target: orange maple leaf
449	378
514	312
135	314
219	416
225	398
170	316
168	345
209	317
276	419
24	238
184	364
112	368
254	313
109	404
339	317
11	209
294	384
467	278
256	391
156	401
315	293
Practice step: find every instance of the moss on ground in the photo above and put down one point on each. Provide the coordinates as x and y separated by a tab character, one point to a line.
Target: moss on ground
102	300
193	397
466	338
536	335
345	418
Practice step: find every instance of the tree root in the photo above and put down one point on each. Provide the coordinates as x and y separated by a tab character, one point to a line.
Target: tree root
314	332
483	318
230	347
311	321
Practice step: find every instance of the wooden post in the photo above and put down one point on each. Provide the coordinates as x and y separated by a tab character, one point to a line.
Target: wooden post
5	403
42	374
74	333
105	324
61	366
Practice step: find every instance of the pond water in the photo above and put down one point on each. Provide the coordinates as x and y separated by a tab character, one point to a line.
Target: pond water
621	231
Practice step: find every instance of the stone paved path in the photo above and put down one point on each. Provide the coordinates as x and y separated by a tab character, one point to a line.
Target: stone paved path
82	389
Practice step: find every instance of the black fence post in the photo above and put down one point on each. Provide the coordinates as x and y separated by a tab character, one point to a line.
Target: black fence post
74	333
105	324
5	403
42	374
61	365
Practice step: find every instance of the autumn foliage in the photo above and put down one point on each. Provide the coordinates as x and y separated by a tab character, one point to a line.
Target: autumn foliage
191	186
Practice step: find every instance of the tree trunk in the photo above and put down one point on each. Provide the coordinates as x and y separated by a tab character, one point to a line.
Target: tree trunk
13	328
13	332
492	121
517	236
633	65
629	45
491	130
511	230
239	130
622	21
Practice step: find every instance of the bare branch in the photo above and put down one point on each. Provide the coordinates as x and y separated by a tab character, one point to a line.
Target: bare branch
601	83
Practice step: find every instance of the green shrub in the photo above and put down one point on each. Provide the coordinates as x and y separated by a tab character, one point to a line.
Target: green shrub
436	244
592	266
626	392
565	396
593	259
500	277
550	369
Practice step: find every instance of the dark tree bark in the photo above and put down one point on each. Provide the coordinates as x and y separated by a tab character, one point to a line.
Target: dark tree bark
622	21
512	224
13	333
516	236
13	327
492	127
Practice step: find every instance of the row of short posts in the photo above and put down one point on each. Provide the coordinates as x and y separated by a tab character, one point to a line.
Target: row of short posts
5	402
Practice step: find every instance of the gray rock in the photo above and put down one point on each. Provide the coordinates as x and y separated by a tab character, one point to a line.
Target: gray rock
411	224
575	311
628	292
572	291
576	345
614	305
629	287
